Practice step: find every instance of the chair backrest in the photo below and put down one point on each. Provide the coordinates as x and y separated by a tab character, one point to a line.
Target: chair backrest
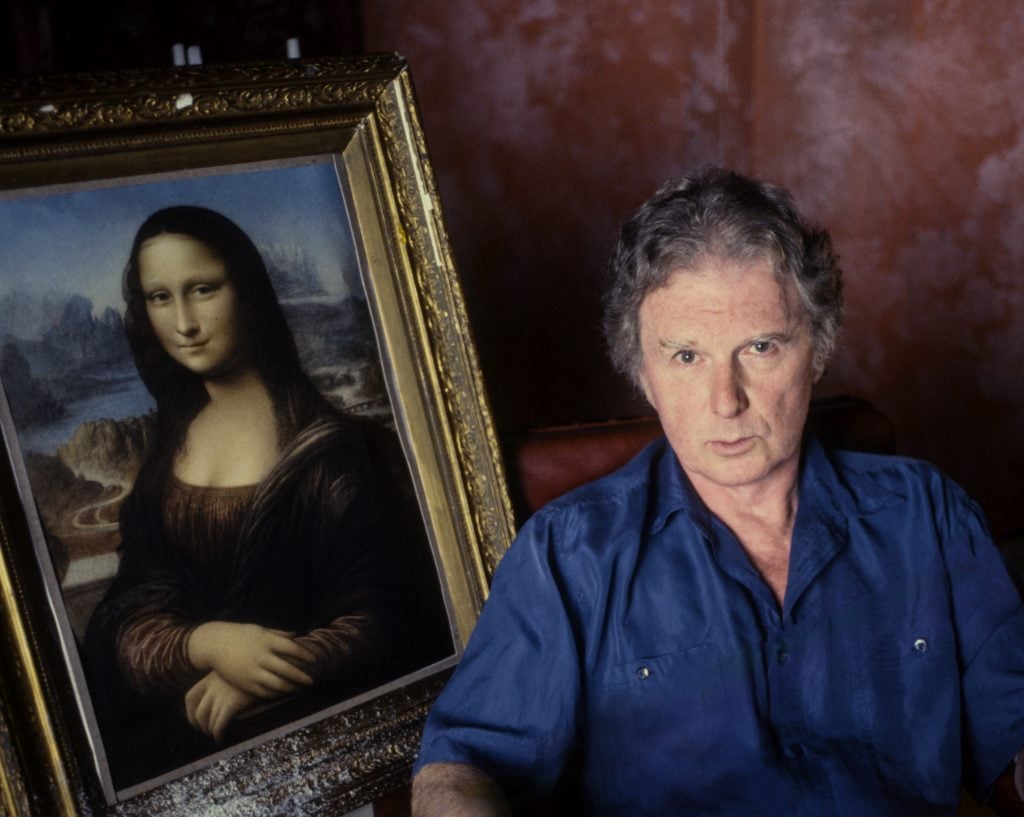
544	463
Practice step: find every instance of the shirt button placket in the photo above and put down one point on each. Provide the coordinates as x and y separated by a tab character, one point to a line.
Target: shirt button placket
779	676
784	697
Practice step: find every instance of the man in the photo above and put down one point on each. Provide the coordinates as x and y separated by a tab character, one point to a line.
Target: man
737	622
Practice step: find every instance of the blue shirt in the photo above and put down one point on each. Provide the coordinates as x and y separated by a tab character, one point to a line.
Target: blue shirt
628	632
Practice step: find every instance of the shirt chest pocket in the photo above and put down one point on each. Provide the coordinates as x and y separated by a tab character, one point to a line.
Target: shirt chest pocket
639	692
679	705
658	674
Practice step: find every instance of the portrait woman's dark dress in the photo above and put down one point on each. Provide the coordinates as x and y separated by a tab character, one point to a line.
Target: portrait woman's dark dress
325	550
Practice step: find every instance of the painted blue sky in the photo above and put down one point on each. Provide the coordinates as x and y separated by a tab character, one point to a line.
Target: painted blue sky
78	239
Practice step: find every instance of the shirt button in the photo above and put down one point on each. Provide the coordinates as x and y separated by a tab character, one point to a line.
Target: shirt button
920	644
782	656
643	673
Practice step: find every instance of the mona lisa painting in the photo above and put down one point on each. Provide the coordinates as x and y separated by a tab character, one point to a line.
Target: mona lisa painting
201	404
237	511
263	564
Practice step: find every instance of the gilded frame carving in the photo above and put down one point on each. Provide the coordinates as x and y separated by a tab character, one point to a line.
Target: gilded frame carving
361	113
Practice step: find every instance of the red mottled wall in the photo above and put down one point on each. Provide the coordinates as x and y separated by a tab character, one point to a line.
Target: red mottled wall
898	125
913	113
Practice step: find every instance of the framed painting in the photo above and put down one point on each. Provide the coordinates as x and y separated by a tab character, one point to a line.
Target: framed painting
251	494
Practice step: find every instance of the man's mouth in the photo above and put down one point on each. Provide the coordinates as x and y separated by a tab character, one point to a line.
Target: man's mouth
733	447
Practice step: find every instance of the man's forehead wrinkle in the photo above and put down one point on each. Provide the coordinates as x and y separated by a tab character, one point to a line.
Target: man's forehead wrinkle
677	319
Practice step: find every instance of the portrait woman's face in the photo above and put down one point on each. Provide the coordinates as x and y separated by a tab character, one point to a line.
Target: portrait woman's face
192	304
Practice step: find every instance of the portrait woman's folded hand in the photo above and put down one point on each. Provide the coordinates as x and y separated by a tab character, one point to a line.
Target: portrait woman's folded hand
213	703
258	660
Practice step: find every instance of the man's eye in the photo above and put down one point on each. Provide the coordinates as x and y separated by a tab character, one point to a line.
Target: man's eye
686	356
762	347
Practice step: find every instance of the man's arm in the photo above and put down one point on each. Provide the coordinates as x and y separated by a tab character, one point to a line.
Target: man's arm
456	790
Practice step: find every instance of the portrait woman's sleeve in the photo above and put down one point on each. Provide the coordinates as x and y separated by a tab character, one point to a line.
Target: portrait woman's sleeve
139	632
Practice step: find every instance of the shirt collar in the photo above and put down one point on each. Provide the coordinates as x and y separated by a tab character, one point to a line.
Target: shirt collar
838	492
673	492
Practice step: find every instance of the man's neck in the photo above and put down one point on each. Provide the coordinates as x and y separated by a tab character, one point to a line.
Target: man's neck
762	516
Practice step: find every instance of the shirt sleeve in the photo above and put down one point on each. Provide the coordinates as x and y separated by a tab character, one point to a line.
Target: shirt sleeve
512	707
989	619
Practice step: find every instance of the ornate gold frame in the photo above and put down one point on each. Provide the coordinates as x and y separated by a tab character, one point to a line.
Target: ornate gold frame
362	111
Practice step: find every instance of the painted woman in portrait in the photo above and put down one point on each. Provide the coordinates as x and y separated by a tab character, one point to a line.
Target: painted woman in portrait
264	573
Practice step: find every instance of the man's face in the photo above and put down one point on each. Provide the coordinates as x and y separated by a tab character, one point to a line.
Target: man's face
727	364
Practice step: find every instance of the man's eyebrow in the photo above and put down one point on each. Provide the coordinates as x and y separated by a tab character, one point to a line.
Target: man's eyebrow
781	335
670	346
668	343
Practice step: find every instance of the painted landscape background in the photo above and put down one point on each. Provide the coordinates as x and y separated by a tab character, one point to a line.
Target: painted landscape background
82	418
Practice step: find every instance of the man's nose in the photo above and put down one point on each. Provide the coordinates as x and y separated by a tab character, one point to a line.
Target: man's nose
728	397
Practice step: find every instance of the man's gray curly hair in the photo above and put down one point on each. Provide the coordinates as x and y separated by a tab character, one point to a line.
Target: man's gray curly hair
718	213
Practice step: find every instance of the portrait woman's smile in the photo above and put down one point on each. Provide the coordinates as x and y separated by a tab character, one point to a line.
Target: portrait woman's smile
192	304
